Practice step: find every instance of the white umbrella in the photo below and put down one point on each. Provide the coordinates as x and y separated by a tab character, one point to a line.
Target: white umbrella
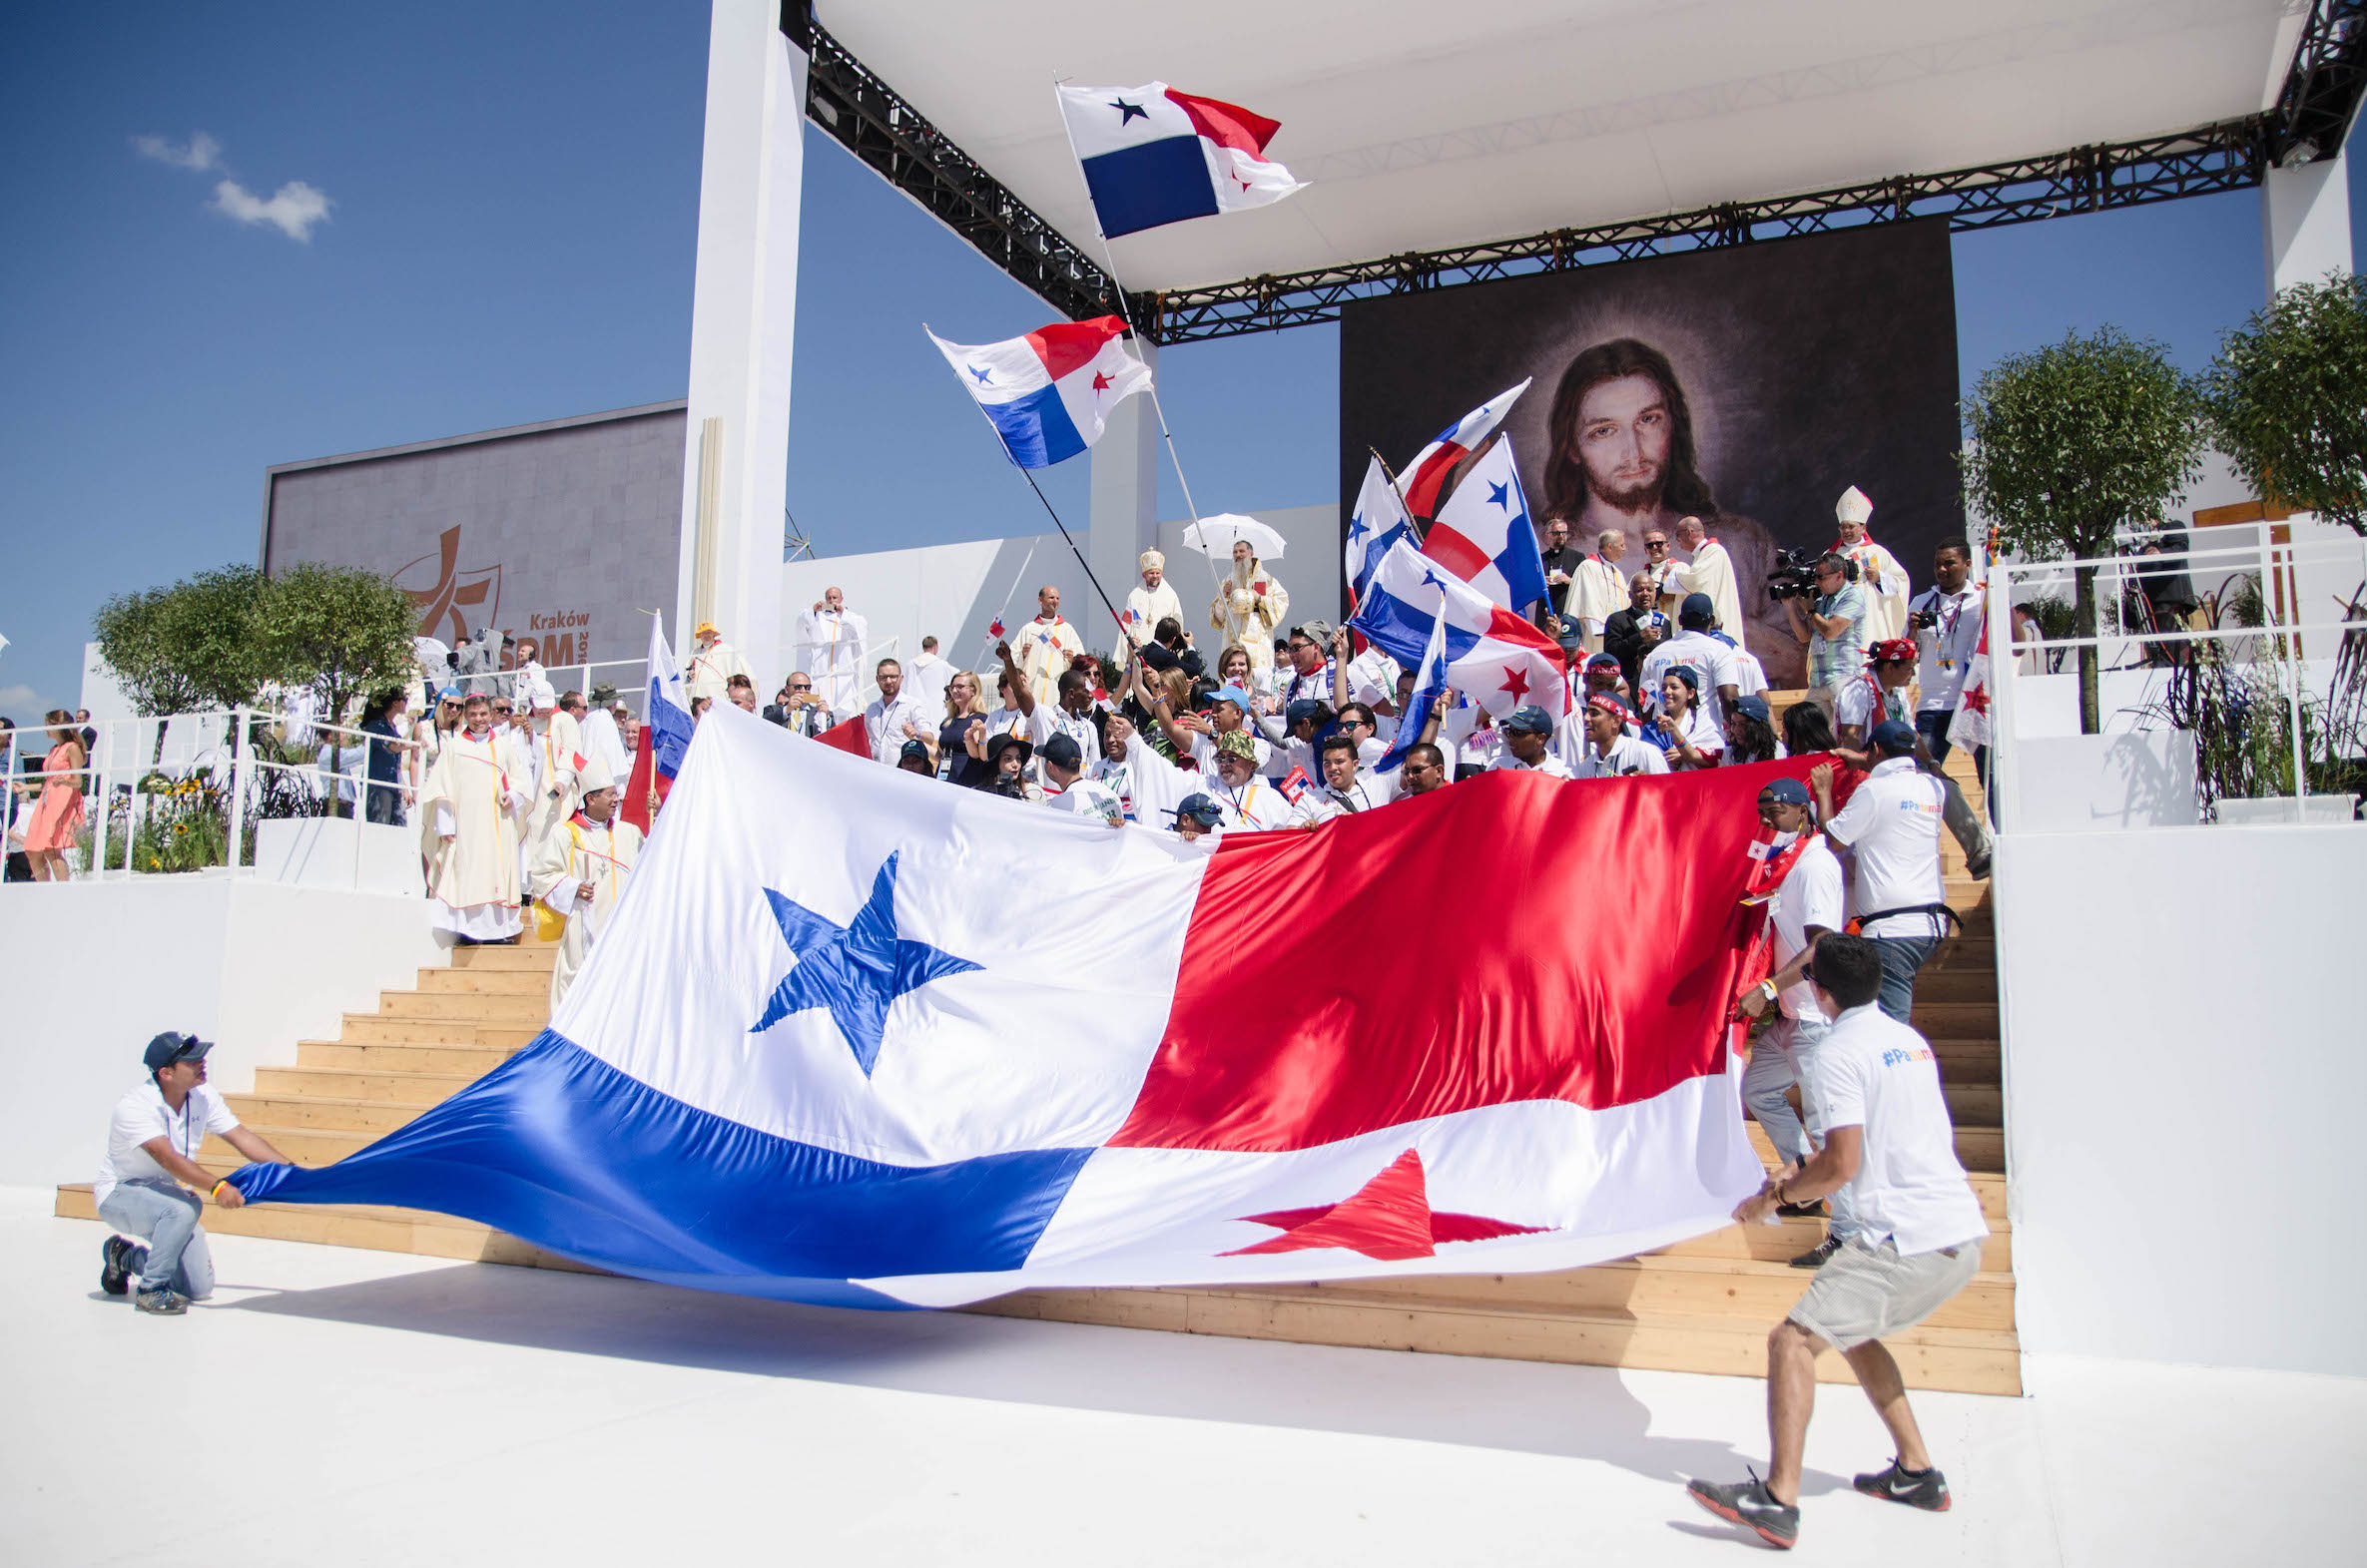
1213	537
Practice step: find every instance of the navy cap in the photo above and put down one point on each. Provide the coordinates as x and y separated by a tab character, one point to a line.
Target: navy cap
1893	737
1697	610
1611	659
1302	711
1061	752
168	1048
1527	718
1786	792
914	748
1200	808
1754	705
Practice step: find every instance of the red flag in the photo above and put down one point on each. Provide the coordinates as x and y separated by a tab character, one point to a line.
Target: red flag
638	809
848	735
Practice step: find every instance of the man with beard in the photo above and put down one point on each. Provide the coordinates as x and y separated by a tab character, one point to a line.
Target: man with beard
1623	457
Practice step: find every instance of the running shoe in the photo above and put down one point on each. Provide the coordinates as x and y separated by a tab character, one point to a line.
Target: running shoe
115	1265
1816	1256
1748	1504
1897	1484
161	1304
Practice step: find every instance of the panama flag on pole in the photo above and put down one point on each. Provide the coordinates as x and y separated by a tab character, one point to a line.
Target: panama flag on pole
1496	658
1427	474
1483	534
665	732
813	1057
1378	522
1048	394
1430	686
1153	156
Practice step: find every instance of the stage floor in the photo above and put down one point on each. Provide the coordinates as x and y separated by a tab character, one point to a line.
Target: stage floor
355	1407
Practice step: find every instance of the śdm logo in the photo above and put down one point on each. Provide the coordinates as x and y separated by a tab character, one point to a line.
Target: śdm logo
478	587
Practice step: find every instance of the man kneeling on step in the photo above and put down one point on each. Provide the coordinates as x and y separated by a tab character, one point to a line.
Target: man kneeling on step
1889	1140
151	1148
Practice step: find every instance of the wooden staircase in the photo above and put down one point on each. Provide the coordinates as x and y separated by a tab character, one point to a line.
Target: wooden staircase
1704	1305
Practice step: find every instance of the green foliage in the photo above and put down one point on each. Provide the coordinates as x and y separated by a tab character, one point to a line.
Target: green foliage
2071	442
342	630
186	826
2287	398
189	646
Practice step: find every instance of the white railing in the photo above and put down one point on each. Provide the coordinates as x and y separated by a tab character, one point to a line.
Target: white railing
2302	660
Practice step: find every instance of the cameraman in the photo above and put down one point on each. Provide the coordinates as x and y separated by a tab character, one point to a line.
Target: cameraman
1944	621
1835	627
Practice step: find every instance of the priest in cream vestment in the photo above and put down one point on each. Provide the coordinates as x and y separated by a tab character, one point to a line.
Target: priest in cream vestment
1045	646
580	871
1151	603
1885	580
1249	607
474	810
556	744
1710	571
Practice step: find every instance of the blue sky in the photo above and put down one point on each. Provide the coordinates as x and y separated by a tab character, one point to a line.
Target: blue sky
498	208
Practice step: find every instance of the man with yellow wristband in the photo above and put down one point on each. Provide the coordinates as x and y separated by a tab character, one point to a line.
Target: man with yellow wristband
151	1148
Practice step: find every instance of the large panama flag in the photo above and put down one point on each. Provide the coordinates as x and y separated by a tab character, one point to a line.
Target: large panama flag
1048	394
1154	156
813	1056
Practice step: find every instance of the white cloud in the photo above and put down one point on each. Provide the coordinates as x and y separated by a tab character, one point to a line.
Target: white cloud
293	209
200	151
18	698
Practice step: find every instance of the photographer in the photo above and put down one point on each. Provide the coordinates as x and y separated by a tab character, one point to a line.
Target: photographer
1835	625
1944	621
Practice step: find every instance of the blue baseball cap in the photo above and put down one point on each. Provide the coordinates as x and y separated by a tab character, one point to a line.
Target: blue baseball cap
1893	737
1696	610
1234	695
1200	808
1527	718
1754	705
1302	711
1786	792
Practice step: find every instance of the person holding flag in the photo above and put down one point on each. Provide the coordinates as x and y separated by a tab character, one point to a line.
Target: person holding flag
474	808
580	870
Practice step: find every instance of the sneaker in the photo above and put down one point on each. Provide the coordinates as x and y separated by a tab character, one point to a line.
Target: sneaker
1812	1210
1816	1256
163	1304
115	1265
1897	1484
1747	1503
1977	867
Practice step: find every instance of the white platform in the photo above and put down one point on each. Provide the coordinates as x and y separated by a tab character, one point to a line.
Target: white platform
364	1409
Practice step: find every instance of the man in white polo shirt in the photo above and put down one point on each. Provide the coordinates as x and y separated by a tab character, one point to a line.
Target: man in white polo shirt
1892	823
1607	751
1889	1140
1342	793
1066	788
1711	657
153	1139
1528	745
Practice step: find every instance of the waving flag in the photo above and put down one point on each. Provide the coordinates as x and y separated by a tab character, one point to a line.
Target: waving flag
1049	393
1153	156
1429	683
1494	657
1378	522
1483	533
813	1057
1970	727
1427	475
665	734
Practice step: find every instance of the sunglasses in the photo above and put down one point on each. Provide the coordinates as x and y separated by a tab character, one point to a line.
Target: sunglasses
801	689
1656	544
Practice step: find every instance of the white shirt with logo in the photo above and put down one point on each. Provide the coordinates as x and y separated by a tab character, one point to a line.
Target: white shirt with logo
1087	797
1945	649
1551	766
1876	1074
1811	894
1893	825
142	1114
1710	659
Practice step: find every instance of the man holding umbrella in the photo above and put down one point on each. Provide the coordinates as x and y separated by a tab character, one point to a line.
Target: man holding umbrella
1248	605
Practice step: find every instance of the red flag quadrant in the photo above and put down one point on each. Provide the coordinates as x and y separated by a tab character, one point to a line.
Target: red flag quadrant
1512	939
848	735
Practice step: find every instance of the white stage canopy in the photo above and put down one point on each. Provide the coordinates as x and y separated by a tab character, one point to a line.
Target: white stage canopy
1424	127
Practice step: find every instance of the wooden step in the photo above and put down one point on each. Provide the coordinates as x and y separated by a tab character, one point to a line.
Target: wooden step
370	1118
534	1011
416	1230
469	1061
1957	984
1953	1020
412	1088
1786	1239
540	959
1969	1360
1979	1149
378	1029
485	982
306	1146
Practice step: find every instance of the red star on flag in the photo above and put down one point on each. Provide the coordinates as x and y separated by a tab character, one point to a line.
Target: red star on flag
1100	381
1975	699
1516	681
1388	1218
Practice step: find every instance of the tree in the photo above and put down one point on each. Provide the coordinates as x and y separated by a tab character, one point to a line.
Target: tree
344	631
2072	441
2287	398
189	646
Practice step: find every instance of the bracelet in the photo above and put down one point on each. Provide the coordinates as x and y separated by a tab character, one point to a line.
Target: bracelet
215	1189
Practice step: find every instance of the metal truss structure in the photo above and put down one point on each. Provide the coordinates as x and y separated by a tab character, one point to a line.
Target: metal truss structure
2310	120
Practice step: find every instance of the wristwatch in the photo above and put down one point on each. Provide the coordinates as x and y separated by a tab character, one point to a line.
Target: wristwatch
1768	987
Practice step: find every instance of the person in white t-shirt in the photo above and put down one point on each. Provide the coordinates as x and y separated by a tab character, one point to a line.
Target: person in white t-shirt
1879	693
1807	905
1066	788
1712	660
1750	732
1694	738
1611	751
152	1139
1528	745
1892	823
1889	1140
895	717
1342	793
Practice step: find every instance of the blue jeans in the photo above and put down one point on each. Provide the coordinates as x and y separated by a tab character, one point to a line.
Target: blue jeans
1901	957
1932	726
165	1216
1784	1055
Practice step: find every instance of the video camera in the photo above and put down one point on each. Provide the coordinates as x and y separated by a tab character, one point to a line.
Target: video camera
1794	576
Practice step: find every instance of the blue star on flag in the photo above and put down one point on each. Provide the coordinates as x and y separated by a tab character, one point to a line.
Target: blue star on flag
985	374
854	970
1129	113
1501	495
1357	529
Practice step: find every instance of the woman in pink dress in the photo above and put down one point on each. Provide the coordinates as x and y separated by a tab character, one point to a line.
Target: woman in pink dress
49	832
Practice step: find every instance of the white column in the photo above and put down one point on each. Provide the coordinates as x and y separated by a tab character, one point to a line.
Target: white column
2305	221
743	328
1125	519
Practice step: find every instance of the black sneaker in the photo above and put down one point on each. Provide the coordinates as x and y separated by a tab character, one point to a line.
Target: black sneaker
163	1304
1747	1503
1928	1491
115	1265
1809	1210
1816	1256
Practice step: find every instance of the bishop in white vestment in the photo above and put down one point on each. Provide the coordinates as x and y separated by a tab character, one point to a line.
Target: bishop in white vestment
1248	606
474	810
1879	572
1151	603
580	871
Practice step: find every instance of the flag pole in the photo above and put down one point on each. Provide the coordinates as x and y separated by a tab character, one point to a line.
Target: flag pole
1109	269
1399	490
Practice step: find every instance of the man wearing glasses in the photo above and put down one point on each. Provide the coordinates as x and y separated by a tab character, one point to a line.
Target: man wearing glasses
799	709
